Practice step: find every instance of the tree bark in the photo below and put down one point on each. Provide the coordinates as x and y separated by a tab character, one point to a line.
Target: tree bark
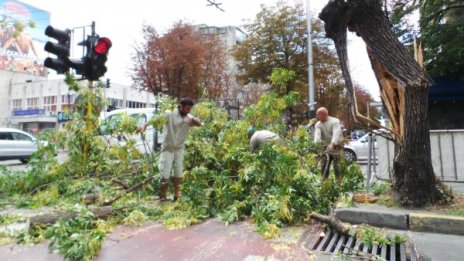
404	91
414	182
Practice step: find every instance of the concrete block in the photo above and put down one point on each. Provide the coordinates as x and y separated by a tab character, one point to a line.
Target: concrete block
378	217
434	223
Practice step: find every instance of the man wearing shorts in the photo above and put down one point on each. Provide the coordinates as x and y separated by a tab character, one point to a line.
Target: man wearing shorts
177	127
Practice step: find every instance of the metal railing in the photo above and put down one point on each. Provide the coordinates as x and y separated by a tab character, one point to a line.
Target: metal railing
447	148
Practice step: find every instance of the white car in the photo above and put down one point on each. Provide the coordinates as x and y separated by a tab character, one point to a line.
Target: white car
150	140
357	150
16	144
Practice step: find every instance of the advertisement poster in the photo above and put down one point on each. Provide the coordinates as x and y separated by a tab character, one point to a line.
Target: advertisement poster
22	37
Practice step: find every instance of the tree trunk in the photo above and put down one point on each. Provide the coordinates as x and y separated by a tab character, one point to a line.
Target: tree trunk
404	91
414	182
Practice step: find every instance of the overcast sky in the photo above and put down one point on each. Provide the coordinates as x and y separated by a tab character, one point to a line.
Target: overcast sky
121	21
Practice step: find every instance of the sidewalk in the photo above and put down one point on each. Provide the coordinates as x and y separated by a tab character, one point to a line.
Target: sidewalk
210	240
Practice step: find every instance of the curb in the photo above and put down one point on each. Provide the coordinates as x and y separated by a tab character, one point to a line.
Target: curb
403	220
423	222
396	219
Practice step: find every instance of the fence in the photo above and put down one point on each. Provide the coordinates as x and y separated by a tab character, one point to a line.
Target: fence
447	147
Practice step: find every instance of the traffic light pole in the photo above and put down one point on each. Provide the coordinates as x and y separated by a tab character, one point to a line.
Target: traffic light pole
88	117
91	66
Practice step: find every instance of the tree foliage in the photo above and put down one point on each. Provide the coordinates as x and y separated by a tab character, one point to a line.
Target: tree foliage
277	38
278	186
180	63
441	33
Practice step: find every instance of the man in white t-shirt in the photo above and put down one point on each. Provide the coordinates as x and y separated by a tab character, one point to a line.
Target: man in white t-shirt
177	127
328	131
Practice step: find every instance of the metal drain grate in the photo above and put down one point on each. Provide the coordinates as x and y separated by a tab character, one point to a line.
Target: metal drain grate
334	243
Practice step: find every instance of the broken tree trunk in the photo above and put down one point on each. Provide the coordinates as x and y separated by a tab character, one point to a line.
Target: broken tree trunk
404	91
99	212
336	30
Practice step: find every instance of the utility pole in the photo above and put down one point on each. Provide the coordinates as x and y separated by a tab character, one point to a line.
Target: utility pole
311	103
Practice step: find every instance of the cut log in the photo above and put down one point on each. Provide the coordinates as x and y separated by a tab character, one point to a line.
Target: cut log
99	212
90	198
364	198
332	221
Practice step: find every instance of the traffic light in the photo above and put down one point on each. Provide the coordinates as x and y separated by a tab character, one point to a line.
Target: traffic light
60	49
97	55
61	63
91	66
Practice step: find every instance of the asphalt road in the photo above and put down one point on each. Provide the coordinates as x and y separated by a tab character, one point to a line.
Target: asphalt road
18	165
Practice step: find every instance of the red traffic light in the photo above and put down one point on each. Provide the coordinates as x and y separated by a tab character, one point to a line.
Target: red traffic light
103	45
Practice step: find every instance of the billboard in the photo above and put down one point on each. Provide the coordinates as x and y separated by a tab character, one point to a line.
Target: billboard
22	37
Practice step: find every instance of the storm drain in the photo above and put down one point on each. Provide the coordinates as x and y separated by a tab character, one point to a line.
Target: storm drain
334	243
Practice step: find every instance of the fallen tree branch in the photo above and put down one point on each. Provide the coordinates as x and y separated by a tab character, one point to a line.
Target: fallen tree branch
99	212
120	183
40	187
332	221
129	190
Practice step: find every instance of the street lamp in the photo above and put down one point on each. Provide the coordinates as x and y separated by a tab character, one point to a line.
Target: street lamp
311	101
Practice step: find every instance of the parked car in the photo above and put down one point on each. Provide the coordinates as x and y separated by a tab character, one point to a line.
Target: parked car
356	134
358	149
16	144
145	143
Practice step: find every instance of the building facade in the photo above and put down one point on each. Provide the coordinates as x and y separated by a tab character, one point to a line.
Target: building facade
33	104
230	36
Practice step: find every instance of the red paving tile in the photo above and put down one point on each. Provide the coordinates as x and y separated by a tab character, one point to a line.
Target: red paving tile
210	240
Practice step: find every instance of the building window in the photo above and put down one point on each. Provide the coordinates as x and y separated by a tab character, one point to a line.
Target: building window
116	103
17	105
67	99
49	103
32	103
134	104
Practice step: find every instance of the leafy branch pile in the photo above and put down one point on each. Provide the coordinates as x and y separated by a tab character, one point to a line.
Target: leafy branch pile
98	170
280	185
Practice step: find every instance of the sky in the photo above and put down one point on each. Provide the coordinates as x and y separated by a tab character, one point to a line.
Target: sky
121	21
